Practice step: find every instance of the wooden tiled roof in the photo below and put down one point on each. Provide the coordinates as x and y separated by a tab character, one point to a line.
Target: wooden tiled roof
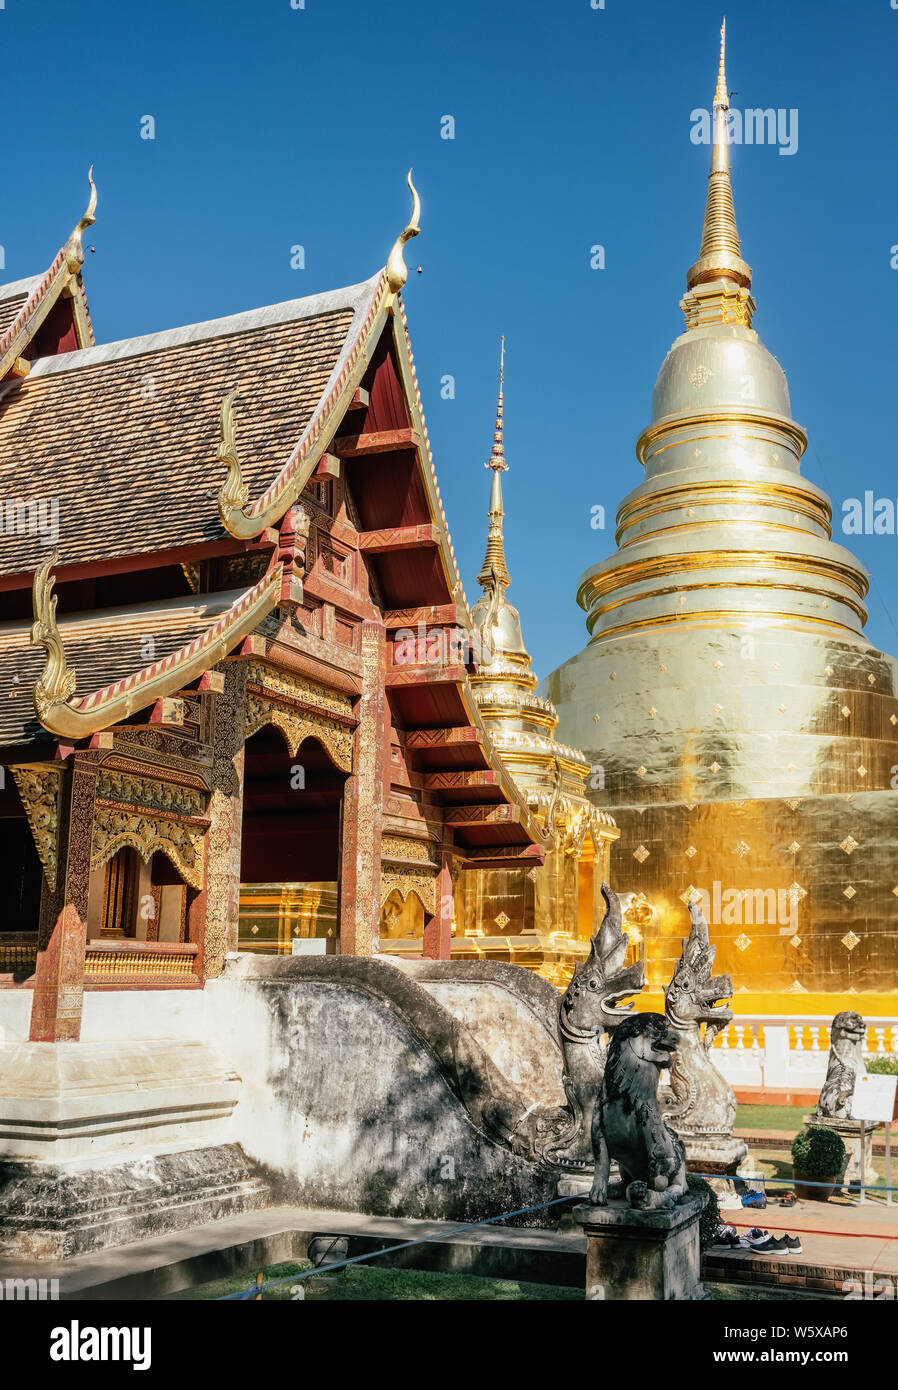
125	436
9	307
100	649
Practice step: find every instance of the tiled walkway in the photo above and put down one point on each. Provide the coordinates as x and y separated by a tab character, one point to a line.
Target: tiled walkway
841	1241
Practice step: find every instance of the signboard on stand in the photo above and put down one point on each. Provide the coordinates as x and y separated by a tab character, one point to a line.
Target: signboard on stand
874	1099
873	1102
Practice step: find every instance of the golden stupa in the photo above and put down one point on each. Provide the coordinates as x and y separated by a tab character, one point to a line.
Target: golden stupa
744	733
542	916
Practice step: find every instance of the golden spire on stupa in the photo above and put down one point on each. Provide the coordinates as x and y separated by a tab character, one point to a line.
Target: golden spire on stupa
494	571
720	254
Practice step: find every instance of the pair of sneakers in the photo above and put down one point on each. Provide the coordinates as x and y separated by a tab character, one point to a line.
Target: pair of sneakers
727	1236
763	1243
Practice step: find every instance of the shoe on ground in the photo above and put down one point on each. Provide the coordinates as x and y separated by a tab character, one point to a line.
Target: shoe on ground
728	1239
756	1236
771	1246
792	1245
754	1199
788	1199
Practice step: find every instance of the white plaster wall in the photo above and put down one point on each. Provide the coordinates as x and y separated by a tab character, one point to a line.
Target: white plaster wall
142	1013
15	1014
509	1034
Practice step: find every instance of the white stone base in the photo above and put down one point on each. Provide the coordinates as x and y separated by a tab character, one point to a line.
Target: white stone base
92	1102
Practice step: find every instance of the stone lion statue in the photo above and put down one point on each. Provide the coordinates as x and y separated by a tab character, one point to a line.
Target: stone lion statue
846	1063
627	1123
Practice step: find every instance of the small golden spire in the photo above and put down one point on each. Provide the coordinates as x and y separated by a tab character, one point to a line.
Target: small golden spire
720	255
494	571
722	96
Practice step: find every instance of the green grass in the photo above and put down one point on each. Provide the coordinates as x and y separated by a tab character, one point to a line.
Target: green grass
404	1285
395	1285
777	1163
788	1118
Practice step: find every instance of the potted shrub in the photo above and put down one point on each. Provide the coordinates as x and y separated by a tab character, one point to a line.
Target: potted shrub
818	1156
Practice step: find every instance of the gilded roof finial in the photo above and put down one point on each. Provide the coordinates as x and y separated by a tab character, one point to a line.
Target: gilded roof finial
397	271
74	251
720	255
497	453
494	571
722	96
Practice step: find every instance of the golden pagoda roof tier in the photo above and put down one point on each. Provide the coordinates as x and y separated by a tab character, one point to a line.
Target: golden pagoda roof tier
720	254
744	729
521	723
724	528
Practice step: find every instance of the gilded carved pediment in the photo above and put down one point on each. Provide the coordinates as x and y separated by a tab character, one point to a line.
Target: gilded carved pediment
115	829
300	708
408	865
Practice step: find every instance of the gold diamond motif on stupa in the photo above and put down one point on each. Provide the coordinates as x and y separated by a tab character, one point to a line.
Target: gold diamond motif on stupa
849	941
747	602
849	844
742	942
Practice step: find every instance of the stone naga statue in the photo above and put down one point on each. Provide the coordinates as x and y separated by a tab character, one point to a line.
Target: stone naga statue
699	1102
846	1064
591	1006
628	1125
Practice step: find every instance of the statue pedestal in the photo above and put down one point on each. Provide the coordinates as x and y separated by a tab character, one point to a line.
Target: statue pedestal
849	1131
713	1153
650	1255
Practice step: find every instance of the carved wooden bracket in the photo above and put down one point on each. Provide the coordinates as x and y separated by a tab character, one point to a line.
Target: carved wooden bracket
39	787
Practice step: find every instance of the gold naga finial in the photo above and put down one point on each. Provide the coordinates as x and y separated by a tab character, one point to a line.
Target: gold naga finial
397	271
57	682
234	491
74	251
720	254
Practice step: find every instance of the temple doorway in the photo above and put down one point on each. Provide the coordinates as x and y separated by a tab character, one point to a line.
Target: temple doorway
290	845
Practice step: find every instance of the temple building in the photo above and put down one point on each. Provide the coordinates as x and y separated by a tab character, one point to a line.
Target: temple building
542	917
747	732
206	721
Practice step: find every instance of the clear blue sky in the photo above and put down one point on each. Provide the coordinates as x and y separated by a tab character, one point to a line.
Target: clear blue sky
277	126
